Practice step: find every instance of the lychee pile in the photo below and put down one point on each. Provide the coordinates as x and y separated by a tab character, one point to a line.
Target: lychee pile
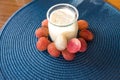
74	45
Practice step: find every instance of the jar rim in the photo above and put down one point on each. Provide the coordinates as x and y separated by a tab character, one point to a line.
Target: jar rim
67	5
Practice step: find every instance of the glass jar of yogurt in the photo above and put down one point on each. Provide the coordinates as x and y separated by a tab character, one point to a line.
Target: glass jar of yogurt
62	23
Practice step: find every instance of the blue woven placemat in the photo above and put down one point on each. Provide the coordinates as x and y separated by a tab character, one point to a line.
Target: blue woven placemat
20	60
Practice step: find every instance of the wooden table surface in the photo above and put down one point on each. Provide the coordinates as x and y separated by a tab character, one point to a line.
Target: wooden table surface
8	7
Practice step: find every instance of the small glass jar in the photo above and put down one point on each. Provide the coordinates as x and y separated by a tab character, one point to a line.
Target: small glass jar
62	20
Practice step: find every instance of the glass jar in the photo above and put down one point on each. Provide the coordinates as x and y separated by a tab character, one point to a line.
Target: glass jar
62	21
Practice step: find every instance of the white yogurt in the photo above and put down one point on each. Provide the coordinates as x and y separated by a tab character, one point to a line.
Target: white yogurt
62	24
58	19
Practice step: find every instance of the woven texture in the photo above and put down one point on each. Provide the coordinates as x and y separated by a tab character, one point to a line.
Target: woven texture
20	60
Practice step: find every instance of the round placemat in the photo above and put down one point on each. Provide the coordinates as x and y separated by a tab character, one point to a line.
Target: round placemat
20	60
